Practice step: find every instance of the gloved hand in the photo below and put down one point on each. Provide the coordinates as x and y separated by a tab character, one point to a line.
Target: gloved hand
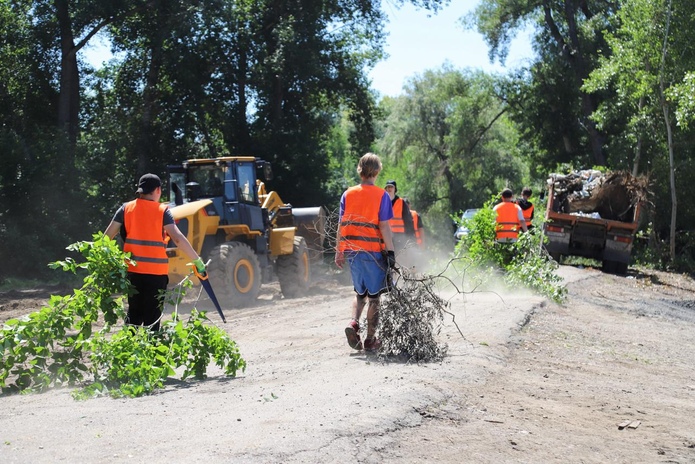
199	266
391	259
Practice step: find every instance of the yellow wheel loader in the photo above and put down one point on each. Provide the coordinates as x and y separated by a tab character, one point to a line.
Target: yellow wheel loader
249	235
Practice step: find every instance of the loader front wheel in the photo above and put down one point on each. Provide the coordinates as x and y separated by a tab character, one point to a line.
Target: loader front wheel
294	272
235	274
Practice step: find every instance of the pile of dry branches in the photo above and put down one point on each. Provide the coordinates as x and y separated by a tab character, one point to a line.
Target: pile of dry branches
612	196
410	319
410	315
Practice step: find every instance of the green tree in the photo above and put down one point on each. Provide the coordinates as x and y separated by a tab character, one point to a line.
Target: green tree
262	78
569	34
188	79
651	55
451	142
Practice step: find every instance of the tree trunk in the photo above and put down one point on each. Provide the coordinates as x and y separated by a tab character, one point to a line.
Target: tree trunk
672	179
147	145
573	53
69	99
638	150
669	135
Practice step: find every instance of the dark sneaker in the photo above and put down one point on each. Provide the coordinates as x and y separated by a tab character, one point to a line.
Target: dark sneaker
352	332
372	344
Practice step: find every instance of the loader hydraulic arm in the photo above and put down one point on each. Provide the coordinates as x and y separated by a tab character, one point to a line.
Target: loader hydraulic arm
272	204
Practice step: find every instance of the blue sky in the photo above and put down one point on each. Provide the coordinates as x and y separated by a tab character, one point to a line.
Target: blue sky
417	43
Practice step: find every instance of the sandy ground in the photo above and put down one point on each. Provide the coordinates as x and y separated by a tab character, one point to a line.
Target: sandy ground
530	382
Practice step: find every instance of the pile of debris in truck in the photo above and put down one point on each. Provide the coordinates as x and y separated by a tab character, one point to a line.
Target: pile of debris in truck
594	194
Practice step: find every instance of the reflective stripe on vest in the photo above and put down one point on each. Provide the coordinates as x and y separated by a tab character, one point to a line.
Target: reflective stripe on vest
359	226
416	226
145	237
507	221
397	223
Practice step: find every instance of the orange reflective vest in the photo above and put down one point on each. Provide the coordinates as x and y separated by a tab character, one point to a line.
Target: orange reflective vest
507	227
145	237
397	224
528	212
359	226
416	226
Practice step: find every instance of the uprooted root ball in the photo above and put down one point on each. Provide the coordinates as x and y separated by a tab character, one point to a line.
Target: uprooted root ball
410	319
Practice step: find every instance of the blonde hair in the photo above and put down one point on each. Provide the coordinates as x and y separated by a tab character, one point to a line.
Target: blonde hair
369	166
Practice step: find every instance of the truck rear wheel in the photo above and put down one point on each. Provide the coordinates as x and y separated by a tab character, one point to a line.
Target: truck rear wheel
608	266
614	267
621	268
294	272
235	274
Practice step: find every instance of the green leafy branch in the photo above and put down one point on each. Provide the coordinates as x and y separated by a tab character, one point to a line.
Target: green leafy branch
524	263
58	345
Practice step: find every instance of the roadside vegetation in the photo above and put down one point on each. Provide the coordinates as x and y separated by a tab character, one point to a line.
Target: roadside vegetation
610	85
80	340
523	264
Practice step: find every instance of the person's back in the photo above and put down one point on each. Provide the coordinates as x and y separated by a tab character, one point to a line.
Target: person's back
364	241
142	223
401	226
526	206
509	219
360	219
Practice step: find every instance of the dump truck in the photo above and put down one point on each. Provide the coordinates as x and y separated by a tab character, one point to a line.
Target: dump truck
248	235
594	215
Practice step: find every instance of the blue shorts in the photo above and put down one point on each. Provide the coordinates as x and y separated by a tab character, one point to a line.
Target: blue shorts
368	270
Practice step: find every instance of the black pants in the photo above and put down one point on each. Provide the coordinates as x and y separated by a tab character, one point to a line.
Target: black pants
145	305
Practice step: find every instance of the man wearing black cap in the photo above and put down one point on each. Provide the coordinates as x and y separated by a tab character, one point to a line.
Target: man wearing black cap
402	222
144	224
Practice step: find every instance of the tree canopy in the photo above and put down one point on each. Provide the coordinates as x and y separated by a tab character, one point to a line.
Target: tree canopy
610	84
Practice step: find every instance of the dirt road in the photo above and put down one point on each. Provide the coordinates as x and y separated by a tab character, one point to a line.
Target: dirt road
530	382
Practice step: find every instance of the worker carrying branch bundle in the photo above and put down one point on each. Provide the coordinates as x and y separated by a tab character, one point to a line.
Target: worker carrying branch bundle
365	243
510	218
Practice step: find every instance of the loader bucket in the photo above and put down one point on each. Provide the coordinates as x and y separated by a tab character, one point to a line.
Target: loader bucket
311	224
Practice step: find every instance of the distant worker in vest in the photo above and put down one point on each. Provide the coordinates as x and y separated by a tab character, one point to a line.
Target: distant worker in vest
402	222
365	242
418	226
143	224
510	218
526	206
417	256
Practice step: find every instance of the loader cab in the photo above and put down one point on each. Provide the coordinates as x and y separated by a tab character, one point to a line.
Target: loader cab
229	182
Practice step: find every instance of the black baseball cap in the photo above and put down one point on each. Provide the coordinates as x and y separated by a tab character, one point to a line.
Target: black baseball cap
148	183
392	182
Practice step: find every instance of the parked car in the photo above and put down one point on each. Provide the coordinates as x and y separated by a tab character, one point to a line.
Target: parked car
462	229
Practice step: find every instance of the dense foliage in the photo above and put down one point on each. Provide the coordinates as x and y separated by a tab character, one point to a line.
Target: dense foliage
523	264
286	80
187	79
60	344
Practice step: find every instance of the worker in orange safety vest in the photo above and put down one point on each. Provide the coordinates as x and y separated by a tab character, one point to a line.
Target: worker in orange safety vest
144	224
418	226
509	219
365	243
526	206
402	221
